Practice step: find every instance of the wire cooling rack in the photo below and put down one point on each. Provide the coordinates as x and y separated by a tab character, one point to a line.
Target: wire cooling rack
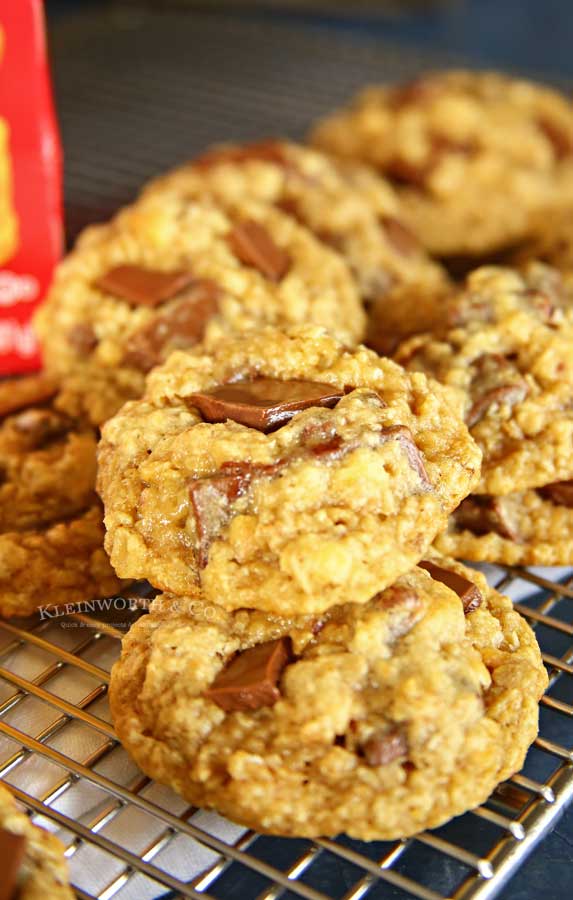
130	839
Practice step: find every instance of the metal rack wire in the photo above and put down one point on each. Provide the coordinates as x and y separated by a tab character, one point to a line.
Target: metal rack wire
130	839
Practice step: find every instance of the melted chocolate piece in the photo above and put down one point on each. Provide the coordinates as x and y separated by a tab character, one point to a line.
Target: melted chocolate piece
265	151
384	747
467	591
12	849
265	404
83	338
253	246
404	436
417	91
398	596
561	141
250	679
23	392
139	286
178	327
482	514
41	427
496	381
211	498
560	493
401	238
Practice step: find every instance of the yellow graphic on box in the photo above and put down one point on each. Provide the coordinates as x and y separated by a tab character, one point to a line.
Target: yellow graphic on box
8	217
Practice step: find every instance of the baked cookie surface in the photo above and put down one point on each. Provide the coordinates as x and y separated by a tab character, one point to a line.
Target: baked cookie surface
345	205
51	520
281	470
47	460
531	528
509	361
377	720
170	271
475	157
33	859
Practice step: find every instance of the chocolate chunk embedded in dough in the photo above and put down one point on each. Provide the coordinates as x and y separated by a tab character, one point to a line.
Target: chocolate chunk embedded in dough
482	514
497	381
467	591
180	326
251	679
252	244
384	747
139	286
404	436
560	493
265	404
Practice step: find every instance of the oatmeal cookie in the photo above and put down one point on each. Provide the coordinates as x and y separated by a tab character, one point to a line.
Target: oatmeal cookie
51	521
170	271
63	562
47	460
281	471
474	156
531	528
32	859
345	205
509	361
378	720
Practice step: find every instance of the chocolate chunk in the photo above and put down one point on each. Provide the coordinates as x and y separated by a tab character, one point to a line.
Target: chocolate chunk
211	498
417	91
139	286
41	427
250	680
401	238
384	747
83	338
466	590
12	848
398	596
265	404
406	440
560	139
408	172
23	392
483	514
178	327
265	151
560	493
496	381
253	245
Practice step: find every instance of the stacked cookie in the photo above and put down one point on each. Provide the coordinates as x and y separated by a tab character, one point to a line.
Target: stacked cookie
302	674
51	520
509	358
314	664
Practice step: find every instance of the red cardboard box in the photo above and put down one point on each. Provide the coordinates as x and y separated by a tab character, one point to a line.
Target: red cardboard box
30	181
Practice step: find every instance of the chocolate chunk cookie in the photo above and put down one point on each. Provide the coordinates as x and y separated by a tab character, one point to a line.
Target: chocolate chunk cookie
347	206
378	720
475	157
51	527
170	271
32	859
281	471
507	359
